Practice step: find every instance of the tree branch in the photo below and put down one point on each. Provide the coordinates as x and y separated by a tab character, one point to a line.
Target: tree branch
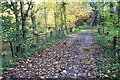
29	5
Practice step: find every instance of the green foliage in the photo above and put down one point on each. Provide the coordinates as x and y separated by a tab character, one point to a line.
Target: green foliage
108	63
75	13
84	3
4	53
7	62
107	18
85	27
103	40
76	30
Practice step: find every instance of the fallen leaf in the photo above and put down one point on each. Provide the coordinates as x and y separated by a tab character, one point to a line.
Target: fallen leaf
1	77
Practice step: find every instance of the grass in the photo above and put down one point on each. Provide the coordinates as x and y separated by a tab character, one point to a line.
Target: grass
84	28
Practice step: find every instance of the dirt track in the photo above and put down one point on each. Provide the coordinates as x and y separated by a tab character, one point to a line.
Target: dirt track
72	57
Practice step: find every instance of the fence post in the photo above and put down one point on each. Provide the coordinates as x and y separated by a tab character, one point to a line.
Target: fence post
114	42
46	40
99	30
71	29
103	30
50	35
59	32
56	33
63	33
37	39
17	48
66	31
12	48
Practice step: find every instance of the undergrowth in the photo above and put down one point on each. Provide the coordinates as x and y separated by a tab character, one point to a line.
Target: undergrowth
108	60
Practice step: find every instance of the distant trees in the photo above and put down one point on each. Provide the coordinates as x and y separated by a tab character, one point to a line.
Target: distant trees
25	15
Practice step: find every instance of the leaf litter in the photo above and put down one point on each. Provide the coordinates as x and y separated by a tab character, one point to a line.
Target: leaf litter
71	57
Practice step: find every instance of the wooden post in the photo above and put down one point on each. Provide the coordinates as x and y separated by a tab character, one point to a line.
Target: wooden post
56	33
17	48
62	33
56	37
37	39
114	42
107	33
66	31
59	33
46	39
12	48
71	29
50	35
103	30
99	30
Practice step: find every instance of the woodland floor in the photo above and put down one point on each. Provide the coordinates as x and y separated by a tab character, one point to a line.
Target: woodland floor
71	57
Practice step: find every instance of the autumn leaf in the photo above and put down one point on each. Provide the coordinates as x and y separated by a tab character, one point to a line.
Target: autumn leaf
1	77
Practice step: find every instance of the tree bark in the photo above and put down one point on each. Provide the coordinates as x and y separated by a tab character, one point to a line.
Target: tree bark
95	16
14	5
55	15
55	19
33	18
61	21
64	13
118	12
24	15
45	16
23	19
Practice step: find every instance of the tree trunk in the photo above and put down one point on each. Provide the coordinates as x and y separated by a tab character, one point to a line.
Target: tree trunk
64	12
118	12
24	15
23	19
55	15
55	19
61	21
65	20
45	16
14	5
33	18
95	18
111	9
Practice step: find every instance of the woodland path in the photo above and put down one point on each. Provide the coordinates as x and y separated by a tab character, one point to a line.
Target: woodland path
71	57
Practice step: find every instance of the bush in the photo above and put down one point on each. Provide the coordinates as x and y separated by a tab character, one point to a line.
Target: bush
108	64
